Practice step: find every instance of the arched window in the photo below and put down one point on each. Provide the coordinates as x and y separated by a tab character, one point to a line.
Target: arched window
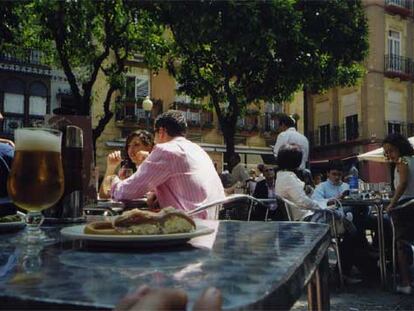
14	96
38	99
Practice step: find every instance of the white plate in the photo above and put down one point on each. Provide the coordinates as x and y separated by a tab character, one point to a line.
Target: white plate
11	226
77	232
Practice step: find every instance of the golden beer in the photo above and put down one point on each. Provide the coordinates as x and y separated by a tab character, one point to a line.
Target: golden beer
36	180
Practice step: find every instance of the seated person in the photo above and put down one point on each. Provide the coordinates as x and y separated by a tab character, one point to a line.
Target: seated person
6	157
290	187
136	143
238	173
178	172
265	189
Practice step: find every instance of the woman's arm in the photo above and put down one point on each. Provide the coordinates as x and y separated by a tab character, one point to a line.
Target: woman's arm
402	167
112	162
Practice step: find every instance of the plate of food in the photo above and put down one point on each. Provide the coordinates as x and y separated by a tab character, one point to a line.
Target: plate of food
11	223
141	226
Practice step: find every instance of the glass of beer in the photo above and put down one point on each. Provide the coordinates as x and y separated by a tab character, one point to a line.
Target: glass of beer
36	180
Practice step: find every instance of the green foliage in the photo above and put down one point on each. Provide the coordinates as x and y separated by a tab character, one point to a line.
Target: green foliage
86	36
238	52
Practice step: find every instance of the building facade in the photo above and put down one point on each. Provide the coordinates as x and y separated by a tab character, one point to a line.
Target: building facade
344	122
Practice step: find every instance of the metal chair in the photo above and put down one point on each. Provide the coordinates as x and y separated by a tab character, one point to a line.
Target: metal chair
335	240
409	243
252	202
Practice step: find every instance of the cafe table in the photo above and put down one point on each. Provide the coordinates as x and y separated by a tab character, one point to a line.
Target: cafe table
255	265
378	204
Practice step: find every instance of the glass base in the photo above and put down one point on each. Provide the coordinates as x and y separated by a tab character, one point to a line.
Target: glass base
33	234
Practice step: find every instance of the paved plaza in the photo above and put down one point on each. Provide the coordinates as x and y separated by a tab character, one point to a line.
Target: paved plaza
364	296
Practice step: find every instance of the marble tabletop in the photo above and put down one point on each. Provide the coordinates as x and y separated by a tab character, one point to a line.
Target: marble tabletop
256	265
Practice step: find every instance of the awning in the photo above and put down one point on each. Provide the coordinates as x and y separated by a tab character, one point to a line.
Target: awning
326	160
377	155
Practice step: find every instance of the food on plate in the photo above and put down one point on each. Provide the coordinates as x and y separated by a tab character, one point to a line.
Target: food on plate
166	221
10	218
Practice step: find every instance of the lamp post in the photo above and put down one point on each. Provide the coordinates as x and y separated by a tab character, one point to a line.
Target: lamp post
147	106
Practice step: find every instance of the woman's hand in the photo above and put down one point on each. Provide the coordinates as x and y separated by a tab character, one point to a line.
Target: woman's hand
112	161
389	207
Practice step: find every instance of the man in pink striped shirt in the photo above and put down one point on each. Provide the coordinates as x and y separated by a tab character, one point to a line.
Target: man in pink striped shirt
179	172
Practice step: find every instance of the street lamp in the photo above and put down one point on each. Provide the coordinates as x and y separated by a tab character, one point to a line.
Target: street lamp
147	106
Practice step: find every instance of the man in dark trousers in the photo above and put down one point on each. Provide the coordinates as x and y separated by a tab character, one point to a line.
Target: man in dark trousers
265	189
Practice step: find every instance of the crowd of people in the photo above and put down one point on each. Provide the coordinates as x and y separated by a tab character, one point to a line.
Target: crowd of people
170	170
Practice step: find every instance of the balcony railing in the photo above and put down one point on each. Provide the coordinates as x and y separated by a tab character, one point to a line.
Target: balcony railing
336	135
399	67
400	7
26	56
398	127
129	113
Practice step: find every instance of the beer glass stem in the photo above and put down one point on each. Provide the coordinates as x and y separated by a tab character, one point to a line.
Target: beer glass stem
33	222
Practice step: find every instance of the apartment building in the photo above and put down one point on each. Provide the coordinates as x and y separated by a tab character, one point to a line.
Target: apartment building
29	90
344	122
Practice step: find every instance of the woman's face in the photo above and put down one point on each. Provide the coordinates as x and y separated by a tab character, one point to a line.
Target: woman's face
391	152
136	145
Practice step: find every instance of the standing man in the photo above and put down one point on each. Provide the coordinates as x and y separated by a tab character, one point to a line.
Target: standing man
178	172
289	135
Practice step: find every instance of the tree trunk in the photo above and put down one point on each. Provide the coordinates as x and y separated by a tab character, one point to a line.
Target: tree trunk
228	133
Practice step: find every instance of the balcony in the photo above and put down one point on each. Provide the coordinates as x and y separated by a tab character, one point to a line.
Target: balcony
398	127
335	135
400	7
399	67
23	57
130	114
197	117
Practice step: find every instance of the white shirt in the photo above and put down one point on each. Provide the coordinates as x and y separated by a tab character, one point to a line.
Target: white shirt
239	174
291	136
290	187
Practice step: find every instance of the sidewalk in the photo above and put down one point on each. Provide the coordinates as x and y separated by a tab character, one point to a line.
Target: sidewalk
364	296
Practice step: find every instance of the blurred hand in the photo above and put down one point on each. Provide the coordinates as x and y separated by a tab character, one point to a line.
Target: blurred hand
146	298
139	157
113	160
152	200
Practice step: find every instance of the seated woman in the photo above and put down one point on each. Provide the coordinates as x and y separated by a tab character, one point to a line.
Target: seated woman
137	146
290	187
399	151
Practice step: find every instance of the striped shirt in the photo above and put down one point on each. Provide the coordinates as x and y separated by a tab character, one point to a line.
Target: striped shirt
180	173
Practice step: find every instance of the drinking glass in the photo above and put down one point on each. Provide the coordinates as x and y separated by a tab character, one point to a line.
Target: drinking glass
36	180
124	173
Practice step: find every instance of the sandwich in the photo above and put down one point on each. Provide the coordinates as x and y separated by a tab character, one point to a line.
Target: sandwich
139	222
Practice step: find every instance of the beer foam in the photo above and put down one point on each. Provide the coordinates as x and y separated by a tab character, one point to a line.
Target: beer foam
37	140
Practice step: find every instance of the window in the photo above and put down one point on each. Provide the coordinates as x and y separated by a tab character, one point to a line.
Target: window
137	86
13	103
351	127
394	127
324	134
182	98
38	99
394	50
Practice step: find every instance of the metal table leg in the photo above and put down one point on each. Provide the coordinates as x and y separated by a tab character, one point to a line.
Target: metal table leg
381	243
318	287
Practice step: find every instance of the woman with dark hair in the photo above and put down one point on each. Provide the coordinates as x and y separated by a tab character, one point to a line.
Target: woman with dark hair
399	151
290	187
137	147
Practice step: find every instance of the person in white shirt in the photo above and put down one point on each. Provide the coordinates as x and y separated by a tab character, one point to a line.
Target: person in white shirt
289	135
238	173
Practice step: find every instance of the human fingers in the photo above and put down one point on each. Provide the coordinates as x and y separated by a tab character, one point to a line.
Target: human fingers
127	302
210	300
161	299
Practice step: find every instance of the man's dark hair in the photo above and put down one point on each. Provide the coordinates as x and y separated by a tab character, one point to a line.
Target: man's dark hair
289	157
173	121
285	119
336	165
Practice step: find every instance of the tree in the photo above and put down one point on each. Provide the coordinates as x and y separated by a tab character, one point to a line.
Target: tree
237	53
84	37
8	21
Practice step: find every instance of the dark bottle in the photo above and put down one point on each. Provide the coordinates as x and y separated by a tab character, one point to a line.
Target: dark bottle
70	206
72	156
